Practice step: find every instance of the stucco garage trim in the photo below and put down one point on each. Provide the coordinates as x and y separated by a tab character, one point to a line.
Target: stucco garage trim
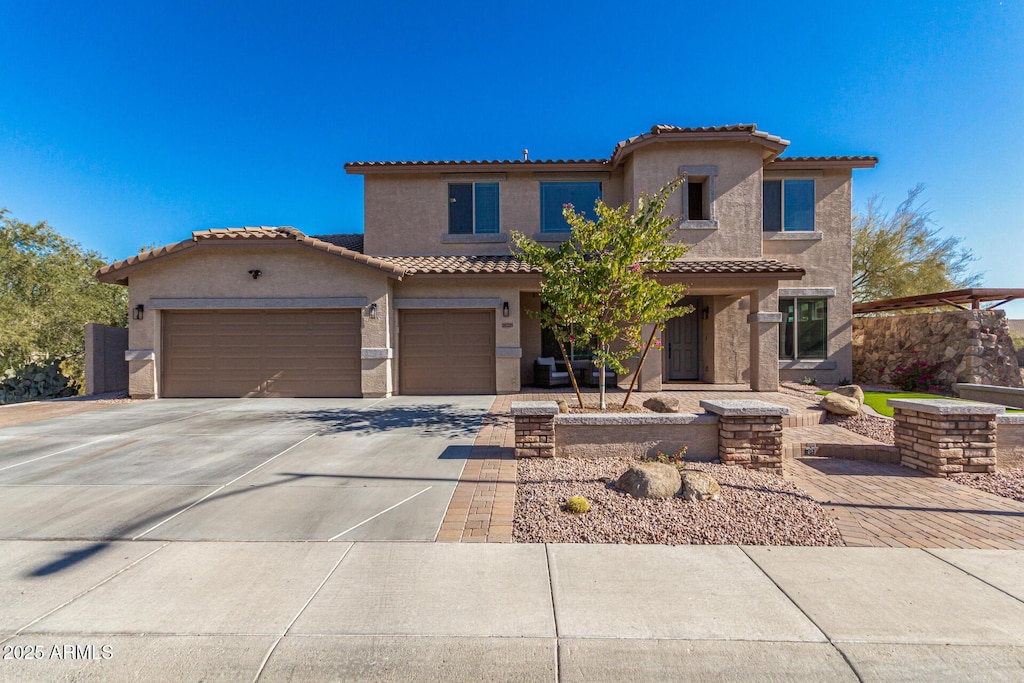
446	303
807	291
377	354
209	303
139	354
508	352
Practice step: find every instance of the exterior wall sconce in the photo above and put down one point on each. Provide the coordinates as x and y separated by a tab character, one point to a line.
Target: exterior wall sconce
706	311
138	311
372	313
255	272
504	310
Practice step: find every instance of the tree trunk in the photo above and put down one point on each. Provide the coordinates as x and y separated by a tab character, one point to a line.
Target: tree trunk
636	375
601	382
572	375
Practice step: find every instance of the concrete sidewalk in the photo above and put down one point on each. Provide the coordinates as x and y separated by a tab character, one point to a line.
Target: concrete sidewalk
270	611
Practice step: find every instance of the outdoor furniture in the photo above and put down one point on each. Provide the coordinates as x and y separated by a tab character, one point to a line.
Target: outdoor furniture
546	374
590	376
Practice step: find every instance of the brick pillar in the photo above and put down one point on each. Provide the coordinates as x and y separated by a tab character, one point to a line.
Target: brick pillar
749	433
535	428
943	437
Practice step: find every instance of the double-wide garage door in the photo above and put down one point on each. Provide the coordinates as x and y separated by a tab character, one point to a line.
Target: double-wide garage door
446	352
285	353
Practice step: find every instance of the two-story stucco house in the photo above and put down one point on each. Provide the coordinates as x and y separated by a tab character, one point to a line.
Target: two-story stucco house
430	300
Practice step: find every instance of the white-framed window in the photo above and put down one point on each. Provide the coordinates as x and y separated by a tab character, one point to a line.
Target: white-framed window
804	331
698	193
555	195
788	205
473	208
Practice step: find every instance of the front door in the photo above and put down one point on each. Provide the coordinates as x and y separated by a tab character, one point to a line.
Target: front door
682	344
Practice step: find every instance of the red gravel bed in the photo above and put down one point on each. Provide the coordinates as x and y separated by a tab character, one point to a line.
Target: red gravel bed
754	509
1006	483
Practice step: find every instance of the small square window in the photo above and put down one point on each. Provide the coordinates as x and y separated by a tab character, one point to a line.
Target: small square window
788	205
698	192
697	204
473	208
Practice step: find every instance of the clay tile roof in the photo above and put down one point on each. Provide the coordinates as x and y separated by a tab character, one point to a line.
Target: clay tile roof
114	273
358	167
826	162
450	265
737	131
352	241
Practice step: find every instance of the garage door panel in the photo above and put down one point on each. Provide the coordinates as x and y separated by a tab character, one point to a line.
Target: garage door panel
261	353
446	352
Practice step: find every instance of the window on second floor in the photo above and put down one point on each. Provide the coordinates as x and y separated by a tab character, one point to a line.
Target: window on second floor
788	205
698	193
804	331
473	208
553	196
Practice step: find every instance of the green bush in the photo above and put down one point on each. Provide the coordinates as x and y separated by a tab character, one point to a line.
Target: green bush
577	505
36	381
670	458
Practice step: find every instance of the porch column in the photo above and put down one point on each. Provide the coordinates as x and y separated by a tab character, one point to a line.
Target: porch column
764	319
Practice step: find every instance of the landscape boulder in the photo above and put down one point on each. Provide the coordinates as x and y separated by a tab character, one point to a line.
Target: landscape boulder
650	480
698	486
853	391
563	407
663	404
840	405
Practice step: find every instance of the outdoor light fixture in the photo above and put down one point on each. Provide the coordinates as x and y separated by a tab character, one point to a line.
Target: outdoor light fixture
706	311
138	311
373	311
255	272
504	310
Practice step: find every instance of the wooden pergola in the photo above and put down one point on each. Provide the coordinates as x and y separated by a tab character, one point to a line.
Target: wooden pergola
961	298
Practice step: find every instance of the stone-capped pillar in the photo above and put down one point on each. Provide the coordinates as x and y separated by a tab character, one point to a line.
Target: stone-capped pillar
764	319
535	428
749	433
942	436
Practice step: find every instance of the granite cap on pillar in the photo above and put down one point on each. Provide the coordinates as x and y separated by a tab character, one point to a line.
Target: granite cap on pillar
946	406
743	408
534	408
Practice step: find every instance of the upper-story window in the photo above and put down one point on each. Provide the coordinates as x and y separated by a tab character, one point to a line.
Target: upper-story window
553	196
698	193
788	205
473	208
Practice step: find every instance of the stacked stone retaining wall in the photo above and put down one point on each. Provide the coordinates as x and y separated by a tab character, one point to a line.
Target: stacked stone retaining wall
972	347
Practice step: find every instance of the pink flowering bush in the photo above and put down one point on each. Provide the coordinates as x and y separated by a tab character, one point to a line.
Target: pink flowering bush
917	376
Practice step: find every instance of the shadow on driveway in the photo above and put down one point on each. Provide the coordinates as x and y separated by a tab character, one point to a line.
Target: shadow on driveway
443	419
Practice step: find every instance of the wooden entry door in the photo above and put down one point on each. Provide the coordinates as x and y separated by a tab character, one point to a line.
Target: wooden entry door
682	345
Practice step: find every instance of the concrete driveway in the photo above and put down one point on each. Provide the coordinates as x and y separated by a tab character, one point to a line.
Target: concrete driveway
239	470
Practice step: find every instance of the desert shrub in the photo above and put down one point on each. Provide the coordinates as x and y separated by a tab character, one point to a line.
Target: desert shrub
670	458
36	381
577	505
916	376
809	381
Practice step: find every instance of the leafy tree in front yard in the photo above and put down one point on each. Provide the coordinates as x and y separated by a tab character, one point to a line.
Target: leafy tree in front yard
599	287
48	294
902	254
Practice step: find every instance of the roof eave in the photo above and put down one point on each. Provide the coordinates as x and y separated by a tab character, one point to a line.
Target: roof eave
822	164
772	145
406	168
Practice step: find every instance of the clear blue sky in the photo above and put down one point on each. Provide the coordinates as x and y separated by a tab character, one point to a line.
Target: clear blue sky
131	123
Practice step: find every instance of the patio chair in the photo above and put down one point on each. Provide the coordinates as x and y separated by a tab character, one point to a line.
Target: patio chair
592	376
545	373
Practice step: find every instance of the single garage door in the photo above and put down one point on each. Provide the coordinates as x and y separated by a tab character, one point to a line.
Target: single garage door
276	353
446	352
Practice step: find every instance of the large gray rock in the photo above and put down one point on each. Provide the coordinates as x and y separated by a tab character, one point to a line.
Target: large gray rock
563	407
853	391
699	486
663	404
840	405
650	480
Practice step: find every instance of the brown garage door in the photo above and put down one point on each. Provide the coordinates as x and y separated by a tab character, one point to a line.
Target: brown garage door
446	352
260	353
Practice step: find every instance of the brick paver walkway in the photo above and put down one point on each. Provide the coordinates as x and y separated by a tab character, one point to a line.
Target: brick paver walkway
889	505
482	506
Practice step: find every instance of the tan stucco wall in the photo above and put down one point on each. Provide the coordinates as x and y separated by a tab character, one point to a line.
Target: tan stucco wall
737	193
606	441
221	271
829	263
507	330
1009	445
529	335
408	213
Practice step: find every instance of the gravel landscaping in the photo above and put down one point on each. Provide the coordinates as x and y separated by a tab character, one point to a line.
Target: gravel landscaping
755	508
1006	483
877	428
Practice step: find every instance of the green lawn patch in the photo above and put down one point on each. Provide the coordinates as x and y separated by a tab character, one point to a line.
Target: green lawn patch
878	399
